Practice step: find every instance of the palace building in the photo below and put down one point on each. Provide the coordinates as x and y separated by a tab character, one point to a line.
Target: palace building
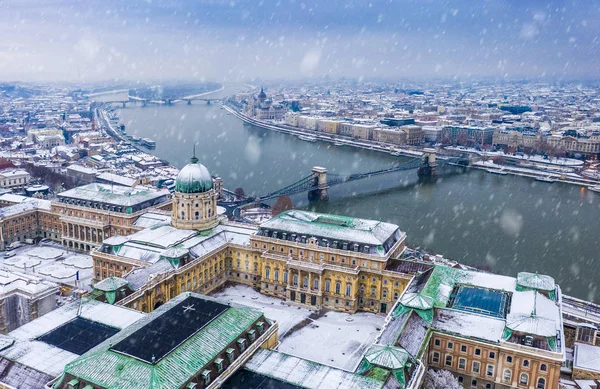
310	259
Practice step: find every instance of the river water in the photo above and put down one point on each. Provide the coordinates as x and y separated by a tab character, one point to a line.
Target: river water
503	223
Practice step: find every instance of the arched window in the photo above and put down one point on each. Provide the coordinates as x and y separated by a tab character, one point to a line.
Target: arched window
543	367
348	289
327	285
305	282
285	277
338	287
197	215
182	215
295	280
541	384
448	361
315	284
525	362
267	273
507	375
209	212
276	275
523	379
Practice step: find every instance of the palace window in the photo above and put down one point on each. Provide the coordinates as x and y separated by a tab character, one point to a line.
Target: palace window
285	277
543	367
462	363
541	383
197	215
437	342
507	375
490	371
436	357
327	285
384	293
473	383
315	284
276	275
463	348
523	379
450	345
476	367
295	280
585	335
509	359
206	377
478	351
267	273
525	362
247	265
348	289
373	291
305	282
338	287
492	355
448	361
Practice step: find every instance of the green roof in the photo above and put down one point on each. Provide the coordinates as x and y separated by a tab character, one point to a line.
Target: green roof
193	178
535	281
110	284
112	370
388	357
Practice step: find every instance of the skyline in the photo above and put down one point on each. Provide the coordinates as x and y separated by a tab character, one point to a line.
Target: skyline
234	41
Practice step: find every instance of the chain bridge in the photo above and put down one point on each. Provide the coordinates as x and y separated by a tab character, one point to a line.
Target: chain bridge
319	181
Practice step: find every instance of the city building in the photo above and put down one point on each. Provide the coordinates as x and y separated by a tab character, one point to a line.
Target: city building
24	298
14	178
490	331
35	354
262	108
512	139
192	341
467	134
311	259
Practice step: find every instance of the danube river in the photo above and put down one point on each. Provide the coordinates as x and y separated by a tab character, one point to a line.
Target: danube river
503	223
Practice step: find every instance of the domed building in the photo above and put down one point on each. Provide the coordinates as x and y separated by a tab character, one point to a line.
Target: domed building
195	198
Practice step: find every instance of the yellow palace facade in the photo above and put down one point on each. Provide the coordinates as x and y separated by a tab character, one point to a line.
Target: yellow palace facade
306	258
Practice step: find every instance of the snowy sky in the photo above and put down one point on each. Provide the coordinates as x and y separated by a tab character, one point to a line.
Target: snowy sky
243	39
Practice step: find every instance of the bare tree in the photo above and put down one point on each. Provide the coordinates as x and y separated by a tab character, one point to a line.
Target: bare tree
283	203
239	193
440	379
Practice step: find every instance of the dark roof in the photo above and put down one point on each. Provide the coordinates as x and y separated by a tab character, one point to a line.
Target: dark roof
413	334
78	335
417	285
162	335
408	267
246	379
20	376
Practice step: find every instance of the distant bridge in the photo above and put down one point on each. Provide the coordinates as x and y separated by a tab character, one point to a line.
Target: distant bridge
145	102
319	181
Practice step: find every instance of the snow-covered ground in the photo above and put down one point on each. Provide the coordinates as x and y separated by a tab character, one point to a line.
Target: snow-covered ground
334	338
532	158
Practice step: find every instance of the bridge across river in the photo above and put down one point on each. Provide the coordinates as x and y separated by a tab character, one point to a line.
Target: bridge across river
145	102
319	181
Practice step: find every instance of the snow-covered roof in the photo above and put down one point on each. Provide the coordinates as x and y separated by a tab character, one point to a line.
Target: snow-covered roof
113	194
306	374
15	282
150	219
586	357
50	359
389	357
417	301
469	325
363	231
110	284
535	281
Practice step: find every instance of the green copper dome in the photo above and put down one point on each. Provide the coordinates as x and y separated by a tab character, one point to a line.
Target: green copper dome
193	178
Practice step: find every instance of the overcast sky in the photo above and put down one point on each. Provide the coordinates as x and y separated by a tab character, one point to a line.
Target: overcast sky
240	40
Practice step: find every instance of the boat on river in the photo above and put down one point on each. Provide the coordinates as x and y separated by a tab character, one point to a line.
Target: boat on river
498	172
307	138
548	179
149	143
595	188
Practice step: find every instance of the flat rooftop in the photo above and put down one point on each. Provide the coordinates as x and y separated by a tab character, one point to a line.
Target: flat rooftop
161	336
113	195
378	235
478	300
78	335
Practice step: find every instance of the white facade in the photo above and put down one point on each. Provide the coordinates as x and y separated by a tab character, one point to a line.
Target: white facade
14	178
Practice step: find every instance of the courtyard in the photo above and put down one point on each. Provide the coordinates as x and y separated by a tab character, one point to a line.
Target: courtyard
332	338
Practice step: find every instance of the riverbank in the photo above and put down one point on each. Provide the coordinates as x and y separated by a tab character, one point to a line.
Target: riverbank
540	169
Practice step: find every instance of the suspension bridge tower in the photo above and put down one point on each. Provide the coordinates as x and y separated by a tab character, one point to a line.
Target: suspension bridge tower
428	163
319	182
